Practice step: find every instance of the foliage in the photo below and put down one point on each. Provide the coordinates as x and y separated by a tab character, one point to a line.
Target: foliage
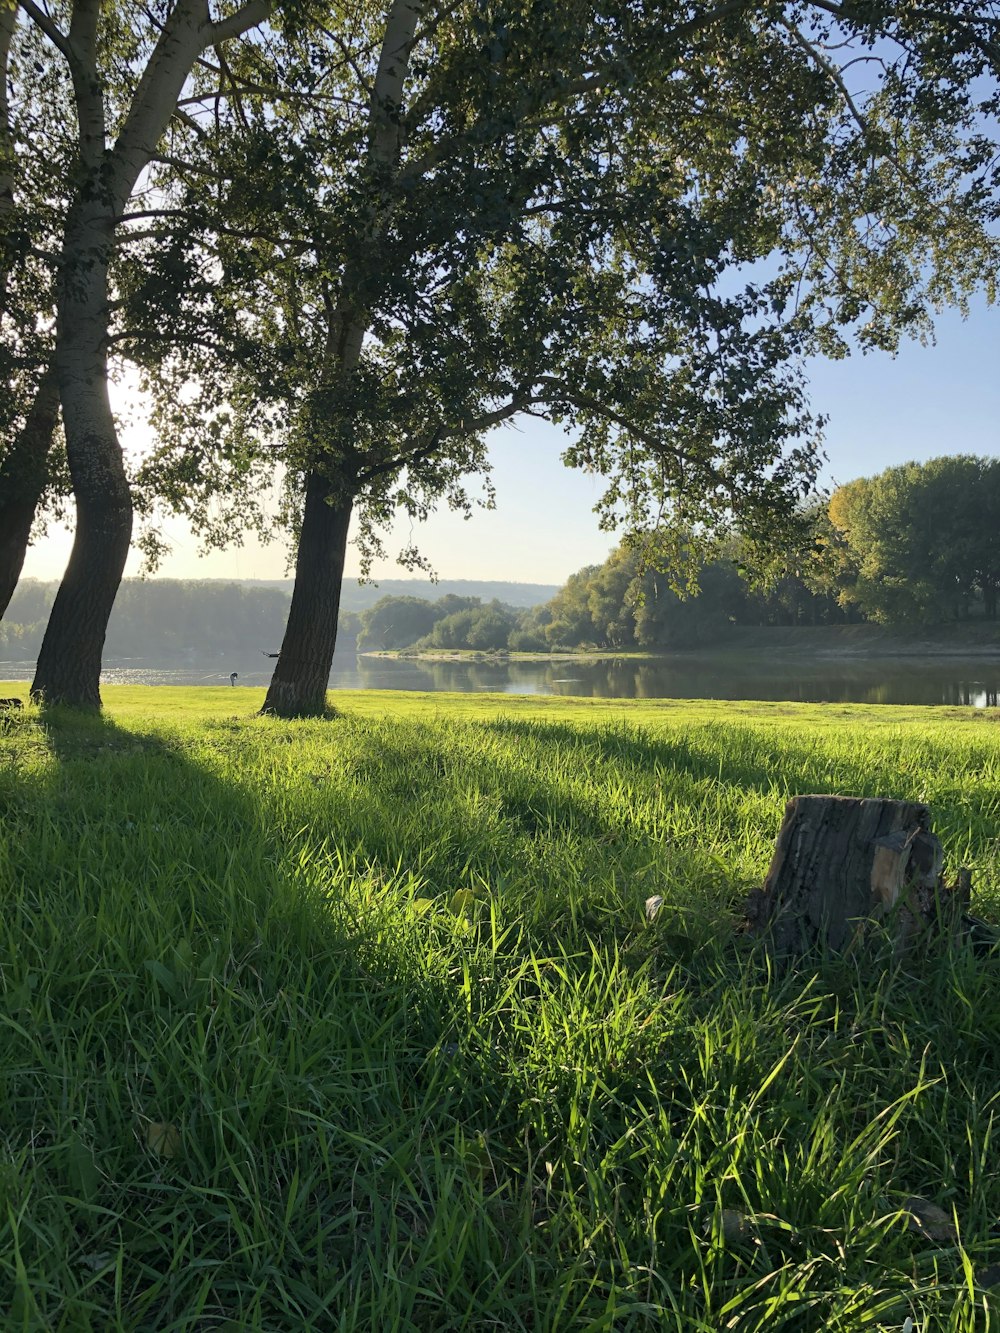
450	622
628	603
164	619
923	540
556	210
396	622
287	1009
917	544
35	149
480	627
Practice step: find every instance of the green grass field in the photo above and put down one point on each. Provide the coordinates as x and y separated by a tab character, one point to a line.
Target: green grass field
359	1025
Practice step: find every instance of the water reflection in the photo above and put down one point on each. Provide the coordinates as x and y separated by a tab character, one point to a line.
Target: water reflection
962	682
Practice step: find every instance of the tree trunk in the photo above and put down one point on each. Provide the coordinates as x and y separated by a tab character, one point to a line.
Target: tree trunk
840	861
69	663
298	687
24	468
23	474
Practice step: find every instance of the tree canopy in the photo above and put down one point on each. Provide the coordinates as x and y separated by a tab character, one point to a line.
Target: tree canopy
922	540
480	211
109	77
375	237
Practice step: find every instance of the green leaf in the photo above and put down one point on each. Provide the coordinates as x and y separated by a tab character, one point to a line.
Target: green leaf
81	1169
460	902
164	976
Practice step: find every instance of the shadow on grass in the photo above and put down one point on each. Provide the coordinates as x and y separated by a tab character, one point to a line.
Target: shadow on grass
213	1062
773	764
247	1085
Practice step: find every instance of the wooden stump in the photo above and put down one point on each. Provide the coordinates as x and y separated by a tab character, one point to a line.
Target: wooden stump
841	861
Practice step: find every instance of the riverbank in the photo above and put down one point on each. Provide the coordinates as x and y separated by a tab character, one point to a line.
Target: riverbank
361	1024
945	680
962	639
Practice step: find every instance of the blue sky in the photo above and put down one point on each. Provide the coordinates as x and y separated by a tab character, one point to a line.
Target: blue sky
941	399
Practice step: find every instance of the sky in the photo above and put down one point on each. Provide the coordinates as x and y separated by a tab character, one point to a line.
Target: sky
926	401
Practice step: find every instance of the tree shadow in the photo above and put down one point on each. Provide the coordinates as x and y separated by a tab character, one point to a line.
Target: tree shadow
357	1086
210	1031
755	766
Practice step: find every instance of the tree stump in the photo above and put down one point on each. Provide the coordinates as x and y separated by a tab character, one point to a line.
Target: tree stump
841	861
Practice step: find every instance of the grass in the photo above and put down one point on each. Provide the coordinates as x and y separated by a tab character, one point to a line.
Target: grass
360	1025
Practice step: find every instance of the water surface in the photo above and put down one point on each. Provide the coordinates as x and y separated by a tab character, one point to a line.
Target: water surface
972	682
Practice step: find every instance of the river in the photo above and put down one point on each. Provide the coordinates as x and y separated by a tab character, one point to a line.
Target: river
968	682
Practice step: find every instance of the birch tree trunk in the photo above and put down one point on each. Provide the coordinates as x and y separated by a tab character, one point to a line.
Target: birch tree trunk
298	687
69	664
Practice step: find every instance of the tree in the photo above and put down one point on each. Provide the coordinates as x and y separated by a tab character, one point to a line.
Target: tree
25	473
477	211
984	522
31	146
611	598
567	620
923	539
396	622
127	69
484	628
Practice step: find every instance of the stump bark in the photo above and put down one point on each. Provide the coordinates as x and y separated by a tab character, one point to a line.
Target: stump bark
842	861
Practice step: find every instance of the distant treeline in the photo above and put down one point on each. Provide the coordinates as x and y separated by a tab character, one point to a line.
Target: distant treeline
188	619
165	618
614	605
918	544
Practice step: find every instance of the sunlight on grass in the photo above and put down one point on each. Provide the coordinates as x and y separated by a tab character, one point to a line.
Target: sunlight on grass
360	1024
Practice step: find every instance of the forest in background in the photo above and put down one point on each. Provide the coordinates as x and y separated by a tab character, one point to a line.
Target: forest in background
915	545
193	619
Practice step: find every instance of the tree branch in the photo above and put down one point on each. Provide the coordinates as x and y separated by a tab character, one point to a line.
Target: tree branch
41	20
406	457
878	145
831	71
989	48
694	25
591	404
349	60
179	164
249	16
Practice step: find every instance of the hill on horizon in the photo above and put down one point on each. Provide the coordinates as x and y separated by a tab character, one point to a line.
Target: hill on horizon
359	596
170	617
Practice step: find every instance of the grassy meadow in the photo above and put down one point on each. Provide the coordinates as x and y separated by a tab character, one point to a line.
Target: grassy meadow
359	1024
